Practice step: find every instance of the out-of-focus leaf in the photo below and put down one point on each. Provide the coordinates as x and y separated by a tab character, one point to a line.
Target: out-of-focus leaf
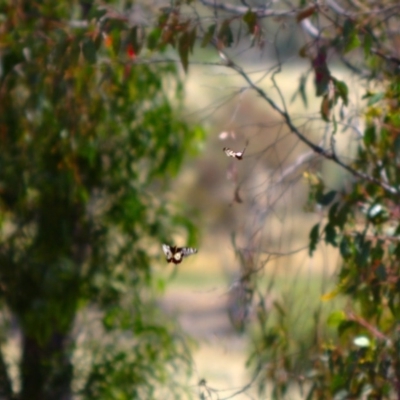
89	50
302	90
305	13
192	39
375	98
153	38
184	45
326	106
336	318
368	40
344	247
342	90
314	236
208	36
330	235
251	20
350	36
327	198
322	73
225	34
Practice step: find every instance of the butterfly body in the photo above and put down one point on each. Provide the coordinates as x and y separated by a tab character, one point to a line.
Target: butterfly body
175	254
236	154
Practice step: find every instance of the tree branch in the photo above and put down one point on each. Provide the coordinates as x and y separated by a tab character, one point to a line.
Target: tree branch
329	155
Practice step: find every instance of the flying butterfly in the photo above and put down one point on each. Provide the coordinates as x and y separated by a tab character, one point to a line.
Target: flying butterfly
231	153
175	254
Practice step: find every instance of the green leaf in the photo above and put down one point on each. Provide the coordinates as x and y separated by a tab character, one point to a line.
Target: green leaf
153	38
342	90
345	248
116	40
330	235
336	318
375	98
89	50
302	89
368	40
225	34
353	42
350	37
251	20
326	198
314	236
208	36
369	135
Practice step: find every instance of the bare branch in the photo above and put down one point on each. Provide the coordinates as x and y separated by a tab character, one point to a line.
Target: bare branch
329	155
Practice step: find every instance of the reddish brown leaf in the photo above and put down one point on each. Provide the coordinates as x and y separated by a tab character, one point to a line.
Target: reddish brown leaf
307	12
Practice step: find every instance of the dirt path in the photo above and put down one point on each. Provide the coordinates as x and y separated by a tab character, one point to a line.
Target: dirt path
221	354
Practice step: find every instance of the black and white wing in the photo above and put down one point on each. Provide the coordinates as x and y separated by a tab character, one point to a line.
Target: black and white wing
236	154
175	254
187	251
168	252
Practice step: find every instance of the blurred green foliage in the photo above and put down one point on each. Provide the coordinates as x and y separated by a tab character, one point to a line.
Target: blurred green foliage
89	141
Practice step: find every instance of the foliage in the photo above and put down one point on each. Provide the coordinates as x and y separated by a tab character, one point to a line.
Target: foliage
86	136
362	219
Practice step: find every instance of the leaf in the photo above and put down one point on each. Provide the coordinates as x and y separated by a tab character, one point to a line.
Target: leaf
183	50
89	50
326	106
368	39
326	198
305	13
192	36
153	38
350	37
208	36
375	98
251	20
116	40
342	90
330	235
344	247
314	236
336	318
322	73
225	34
302	89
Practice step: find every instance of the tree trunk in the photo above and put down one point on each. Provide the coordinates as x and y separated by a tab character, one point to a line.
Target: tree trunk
46	371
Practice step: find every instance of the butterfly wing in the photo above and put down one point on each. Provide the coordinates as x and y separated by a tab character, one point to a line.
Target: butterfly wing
236	154
168	252
187	251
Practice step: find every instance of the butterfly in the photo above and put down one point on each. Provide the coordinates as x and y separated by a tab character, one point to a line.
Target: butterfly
175	254
231	153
